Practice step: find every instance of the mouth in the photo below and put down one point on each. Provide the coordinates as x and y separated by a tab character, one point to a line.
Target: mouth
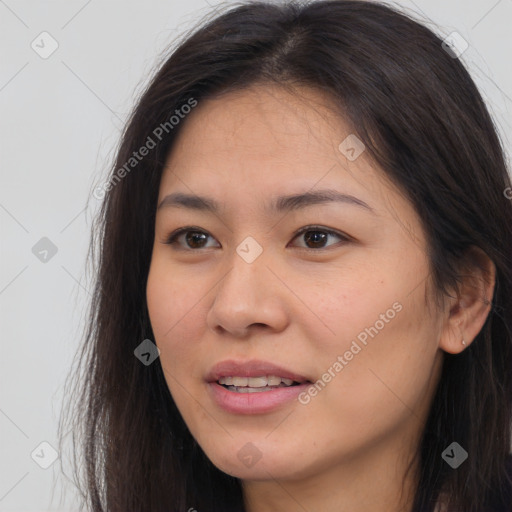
253	374
257	384
253	387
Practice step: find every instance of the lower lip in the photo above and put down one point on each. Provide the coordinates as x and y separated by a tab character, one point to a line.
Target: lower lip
254	403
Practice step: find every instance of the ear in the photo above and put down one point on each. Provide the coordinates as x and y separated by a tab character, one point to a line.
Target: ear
467	311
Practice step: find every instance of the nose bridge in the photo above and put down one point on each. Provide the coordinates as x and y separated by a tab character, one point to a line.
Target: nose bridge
247	266
243	296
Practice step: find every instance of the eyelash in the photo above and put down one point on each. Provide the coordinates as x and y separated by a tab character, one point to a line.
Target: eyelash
171	239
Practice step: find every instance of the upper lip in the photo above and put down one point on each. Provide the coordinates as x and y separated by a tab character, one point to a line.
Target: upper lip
252	368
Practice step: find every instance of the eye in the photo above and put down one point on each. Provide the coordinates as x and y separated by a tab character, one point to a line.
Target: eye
195	238
317	236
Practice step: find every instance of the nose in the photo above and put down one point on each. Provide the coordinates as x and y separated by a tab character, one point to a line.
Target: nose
249	297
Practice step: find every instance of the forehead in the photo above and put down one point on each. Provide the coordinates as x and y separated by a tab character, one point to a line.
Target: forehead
264	121
242	147
258	131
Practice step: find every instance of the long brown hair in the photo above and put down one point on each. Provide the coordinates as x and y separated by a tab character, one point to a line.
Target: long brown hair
424	122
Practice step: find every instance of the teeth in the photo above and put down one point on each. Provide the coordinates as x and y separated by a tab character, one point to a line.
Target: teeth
255	382
253	390
274	381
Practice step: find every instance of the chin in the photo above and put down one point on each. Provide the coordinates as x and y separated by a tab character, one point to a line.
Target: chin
250	463
259	472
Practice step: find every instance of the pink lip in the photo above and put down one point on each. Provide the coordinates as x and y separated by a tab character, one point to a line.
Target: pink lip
253	368
252	403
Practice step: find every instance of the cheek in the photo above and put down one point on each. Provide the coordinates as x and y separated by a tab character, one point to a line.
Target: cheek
177	321
172	301
177	329
386	368
381	345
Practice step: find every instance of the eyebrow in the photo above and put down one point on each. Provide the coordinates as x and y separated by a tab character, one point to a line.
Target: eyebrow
278	205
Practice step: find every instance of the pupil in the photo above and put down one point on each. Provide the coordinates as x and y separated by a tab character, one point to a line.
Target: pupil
316	240
192	235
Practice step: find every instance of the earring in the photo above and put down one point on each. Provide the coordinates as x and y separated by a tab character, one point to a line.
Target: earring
464	342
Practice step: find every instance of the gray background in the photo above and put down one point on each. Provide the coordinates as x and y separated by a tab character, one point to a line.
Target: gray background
60	121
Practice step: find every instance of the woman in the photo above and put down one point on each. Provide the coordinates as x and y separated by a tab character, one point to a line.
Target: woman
238	361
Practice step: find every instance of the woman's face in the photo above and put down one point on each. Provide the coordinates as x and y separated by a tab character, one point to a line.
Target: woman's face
340	308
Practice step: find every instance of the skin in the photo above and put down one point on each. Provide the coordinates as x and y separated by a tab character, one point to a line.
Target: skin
349	447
